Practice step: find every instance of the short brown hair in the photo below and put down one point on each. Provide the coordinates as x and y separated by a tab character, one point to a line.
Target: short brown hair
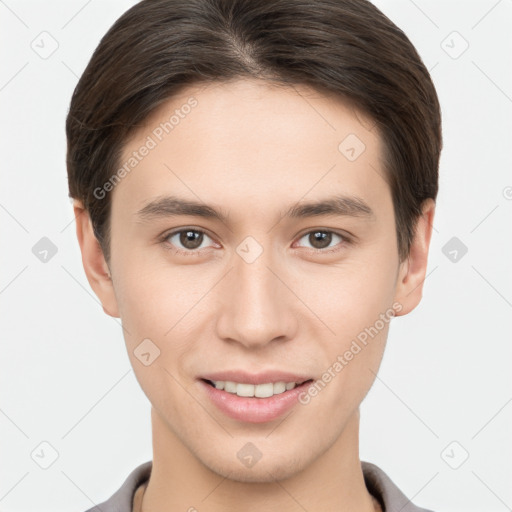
349	47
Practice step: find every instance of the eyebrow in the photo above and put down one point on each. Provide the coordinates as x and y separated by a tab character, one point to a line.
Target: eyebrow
339	205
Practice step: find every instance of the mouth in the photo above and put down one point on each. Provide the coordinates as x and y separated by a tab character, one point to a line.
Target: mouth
247	390
266	400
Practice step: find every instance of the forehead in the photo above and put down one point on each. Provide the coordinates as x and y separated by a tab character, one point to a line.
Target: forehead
249	142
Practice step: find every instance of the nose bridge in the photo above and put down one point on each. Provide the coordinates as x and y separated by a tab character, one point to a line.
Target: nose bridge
257	309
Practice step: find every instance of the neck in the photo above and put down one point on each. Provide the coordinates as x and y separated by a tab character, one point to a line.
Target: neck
180	481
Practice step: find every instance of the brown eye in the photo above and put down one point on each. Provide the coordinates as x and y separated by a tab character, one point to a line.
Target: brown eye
323	239
187	240
191	239
320	239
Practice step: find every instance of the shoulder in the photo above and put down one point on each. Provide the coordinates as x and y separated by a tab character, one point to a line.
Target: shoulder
377	481
385	490
122	499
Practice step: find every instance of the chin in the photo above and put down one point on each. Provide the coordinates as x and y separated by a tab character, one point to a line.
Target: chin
264	471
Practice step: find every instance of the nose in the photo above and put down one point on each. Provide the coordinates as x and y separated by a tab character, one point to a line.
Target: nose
257	305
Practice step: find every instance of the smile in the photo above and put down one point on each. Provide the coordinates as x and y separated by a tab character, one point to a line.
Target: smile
265	390
254	402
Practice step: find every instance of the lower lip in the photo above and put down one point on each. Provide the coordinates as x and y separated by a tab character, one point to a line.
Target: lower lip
253	410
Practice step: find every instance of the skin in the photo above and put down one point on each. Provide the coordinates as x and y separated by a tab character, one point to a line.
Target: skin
252	150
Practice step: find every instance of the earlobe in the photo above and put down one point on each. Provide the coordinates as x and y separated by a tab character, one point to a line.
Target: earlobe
413	271
95	267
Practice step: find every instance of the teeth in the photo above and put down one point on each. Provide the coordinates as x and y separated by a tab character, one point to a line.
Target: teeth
230	387
254	390
264	390
279	387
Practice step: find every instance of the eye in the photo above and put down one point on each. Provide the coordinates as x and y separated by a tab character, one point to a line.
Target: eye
188	241
320	240
191	241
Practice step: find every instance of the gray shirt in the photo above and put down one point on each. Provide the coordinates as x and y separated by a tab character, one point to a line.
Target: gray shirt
378	483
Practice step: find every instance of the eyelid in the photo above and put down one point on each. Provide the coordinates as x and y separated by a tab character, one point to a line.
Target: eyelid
346	239
167	234
343	234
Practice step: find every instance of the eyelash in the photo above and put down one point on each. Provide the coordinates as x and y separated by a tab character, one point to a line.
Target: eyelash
345	240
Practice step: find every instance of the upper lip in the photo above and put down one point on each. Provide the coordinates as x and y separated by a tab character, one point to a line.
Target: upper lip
256	378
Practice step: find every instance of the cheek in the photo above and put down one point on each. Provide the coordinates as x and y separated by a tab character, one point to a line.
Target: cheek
353	362
162	304
361	310
355	302
351	297
151	294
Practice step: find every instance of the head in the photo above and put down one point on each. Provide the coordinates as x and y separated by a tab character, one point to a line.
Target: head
255	184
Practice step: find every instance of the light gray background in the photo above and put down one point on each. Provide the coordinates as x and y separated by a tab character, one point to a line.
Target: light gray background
65	375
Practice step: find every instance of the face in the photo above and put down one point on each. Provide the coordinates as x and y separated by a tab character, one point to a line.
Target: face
257	283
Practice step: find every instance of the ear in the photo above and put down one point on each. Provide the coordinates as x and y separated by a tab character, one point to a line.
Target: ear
413	270
95	266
